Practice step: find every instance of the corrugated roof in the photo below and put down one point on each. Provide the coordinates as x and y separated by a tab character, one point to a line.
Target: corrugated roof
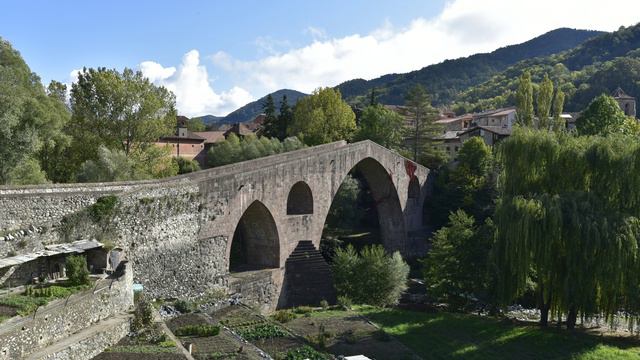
51	250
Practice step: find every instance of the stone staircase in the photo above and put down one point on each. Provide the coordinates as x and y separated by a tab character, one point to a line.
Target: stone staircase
308	279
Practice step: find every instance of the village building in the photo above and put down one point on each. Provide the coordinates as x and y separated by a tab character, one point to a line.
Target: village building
627	103
194	145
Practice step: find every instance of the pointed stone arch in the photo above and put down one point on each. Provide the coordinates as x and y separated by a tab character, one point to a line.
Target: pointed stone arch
300	199
255	244
385	195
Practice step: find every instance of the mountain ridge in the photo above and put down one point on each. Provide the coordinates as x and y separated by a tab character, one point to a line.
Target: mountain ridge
446	79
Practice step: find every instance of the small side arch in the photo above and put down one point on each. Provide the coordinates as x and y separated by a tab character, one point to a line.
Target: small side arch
255	244
300	199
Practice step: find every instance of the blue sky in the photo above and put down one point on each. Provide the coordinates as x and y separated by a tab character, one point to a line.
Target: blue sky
219	55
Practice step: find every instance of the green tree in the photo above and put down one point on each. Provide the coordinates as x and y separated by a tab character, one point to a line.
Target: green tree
120	110
27	172
545	99
31	122
381	126
271	126
196	124
234	149
420	136
603	116
114	165
345	212
373	277
456	269
469	186
569	220
524	99
285	118
323	117
558	104
76	269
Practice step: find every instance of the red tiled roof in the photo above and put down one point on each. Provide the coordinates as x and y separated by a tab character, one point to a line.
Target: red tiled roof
211	137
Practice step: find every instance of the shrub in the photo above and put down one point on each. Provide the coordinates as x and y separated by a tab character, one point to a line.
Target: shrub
373	277
303	310
264	331
184	306
186	166
304	352
284	316
345	302
324	304
103	207
198	330
77	272
142	315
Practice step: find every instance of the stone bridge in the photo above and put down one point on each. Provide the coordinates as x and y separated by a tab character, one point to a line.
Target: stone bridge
184	234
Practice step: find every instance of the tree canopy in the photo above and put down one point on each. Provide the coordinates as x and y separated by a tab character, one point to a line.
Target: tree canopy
31	121
381	125
323	117
120	110
603	116
568	218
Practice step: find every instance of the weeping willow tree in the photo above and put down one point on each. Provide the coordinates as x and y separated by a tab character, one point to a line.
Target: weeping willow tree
568	219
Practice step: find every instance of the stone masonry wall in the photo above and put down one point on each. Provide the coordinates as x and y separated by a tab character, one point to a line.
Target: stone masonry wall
110	333
62	318
177	232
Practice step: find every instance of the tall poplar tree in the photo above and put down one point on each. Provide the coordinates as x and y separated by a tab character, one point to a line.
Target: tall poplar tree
545	99
558	104
524	100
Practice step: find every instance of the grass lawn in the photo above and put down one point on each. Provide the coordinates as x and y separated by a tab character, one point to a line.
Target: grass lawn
460	336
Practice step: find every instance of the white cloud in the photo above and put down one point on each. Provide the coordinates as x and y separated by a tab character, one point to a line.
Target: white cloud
191	84
463	28
316	33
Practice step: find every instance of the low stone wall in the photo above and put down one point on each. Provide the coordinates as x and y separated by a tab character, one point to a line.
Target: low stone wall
258	289
62	318
86	347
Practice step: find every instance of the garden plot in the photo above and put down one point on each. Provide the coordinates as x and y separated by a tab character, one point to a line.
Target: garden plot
224	345
152	344
346	333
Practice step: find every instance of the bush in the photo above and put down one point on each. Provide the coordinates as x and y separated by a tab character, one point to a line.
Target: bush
324	304
345	302
303	353
264	331
303	310
283	316
373	277
186	166
198	330
184	306
77	272
103	207
142	315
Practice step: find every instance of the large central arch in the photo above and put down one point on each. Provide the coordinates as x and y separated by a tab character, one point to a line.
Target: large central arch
387	202
255	244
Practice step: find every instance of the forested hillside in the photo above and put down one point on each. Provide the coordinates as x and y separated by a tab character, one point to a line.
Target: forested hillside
599	65
444	81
